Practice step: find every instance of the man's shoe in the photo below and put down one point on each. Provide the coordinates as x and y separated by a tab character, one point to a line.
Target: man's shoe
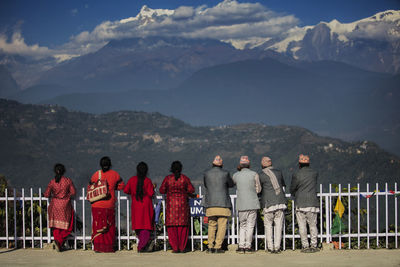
249	250
240	250
219	251
314	249
277	251
269	251
210	250
305	250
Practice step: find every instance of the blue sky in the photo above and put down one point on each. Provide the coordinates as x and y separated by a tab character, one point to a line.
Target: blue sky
50	23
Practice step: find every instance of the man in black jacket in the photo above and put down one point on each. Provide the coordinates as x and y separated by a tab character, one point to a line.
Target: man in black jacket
304	190
217	202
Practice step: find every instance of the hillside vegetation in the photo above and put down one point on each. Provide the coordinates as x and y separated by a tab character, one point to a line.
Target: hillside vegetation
35	137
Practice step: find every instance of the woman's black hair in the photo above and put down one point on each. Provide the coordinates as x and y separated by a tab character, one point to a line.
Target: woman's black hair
59	170
105	164
141	173
176	169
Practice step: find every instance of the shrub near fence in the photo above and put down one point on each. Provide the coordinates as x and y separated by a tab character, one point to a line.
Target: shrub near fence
370	219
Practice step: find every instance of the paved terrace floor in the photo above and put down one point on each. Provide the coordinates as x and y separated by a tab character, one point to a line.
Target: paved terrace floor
327	257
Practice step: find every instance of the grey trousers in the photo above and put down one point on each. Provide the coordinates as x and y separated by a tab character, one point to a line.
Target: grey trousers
247	220
310	218
275	217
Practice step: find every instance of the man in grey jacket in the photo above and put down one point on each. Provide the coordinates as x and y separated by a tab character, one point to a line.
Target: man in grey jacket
304	190
247	203
217	202
273	203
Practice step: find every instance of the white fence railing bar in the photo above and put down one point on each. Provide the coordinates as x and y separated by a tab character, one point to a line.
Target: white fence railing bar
358	220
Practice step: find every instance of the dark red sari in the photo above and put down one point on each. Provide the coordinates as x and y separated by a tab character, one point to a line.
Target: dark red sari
60	211
177	209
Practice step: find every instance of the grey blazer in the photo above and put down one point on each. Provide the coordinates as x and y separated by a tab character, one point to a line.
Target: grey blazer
304	188
217	182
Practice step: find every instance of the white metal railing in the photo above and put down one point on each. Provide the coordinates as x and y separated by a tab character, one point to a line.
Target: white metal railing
327	201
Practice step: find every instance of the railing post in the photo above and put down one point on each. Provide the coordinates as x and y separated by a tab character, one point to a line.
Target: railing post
330	211
83	220
358	215
367	216
23	219
6	196
377	215
75	215
128	245
320	212
327	219
395	216
32	227
15	218
40	218
340	228
201	223
293	233
191	232
164	227
48	227
119	219
233	230
386	215
349	214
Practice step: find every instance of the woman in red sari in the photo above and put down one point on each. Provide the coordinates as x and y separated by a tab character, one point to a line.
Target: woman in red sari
103	211
178	188
61	214
141	190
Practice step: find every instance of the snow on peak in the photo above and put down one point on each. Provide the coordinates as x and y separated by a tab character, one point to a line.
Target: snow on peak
294	34
383	25
388	16
248	43
148	13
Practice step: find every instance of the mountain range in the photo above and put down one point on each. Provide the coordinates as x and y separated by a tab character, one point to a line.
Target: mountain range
35	137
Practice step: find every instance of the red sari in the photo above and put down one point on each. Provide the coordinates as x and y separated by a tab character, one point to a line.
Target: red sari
177	209
103	213
60	209
142	211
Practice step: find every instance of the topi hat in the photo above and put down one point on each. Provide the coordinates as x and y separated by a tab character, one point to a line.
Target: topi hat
266	162
304	159
244	160
217	161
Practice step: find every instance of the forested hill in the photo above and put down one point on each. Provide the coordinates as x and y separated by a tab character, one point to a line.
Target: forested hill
35	137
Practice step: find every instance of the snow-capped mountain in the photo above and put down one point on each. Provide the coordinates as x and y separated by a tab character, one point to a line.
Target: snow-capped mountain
148	15
372	43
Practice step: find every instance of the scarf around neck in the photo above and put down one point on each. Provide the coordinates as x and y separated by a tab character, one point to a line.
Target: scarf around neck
274	181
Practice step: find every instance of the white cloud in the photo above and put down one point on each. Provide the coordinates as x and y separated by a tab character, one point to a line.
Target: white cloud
183	12
16	45
227	20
